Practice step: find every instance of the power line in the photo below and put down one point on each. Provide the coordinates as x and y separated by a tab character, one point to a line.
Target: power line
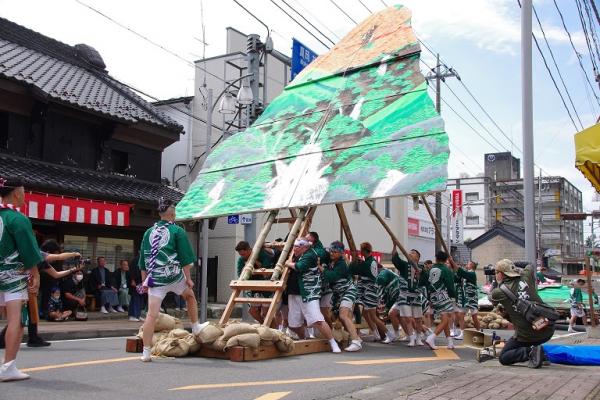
300	25
344	12
308	22
593	56
577	54
551	75
367	8
315	18
148	40
592	28
556	65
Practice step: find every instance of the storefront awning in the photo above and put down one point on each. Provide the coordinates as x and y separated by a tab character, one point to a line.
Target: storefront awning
65	209
587	154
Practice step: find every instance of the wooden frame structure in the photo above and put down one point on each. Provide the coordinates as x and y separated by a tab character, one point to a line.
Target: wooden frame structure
278	275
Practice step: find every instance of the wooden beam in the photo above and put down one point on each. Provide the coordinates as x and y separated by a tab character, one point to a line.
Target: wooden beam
388	230
253	300
280	270
346	227
229	308
260	241
279	267
265	286
435	225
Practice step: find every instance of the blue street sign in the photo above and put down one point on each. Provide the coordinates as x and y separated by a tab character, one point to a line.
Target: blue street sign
233	219
301	57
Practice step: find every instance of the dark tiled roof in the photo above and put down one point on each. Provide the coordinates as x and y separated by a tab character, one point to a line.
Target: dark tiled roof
40	175
64	74
513	233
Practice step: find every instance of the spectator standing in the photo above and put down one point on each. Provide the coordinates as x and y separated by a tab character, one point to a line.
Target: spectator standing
122	277
136	298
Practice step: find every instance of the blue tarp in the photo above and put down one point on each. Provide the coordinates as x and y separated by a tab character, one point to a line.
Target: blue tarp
572	354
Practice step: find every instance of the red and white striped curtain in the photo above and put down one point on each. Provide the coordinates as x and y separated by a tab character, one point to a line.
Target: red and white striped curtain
65	209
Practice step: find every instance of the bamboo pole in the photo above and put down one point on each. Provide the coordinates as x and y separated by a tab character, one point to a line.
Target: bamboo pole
260	241
279	267
346	227
588	269
390	232
437	228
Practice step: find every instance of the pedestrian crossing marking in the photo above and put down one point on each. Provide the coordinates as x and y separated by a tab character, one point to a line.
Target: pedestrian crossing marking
276	382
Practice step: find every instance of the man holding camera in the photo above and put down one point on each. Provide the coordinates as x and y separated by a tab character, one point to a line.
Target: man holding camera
525	345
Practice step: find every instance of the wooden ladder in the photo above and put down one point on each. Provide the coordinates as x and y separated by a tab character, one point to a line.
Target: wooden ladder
278	275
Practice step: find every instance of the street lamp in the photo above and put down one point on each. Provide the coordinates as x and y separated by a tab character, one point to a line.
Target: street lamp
227	105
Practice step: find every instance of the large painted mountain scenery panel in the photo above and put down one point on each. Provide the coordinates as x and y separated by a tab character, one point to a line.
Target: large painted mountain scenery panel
357	123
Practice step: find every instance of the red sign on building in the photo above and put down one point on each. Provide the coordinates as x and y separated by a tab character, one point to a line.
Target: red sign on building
413	226
457	201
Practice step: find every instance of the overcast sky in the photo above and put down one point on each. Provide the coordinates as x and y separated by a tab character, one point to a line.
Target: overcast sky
479	39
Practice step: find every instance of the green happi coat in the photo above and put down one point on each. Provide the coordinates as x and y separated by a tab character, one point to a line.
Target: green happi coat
368	291
324	258
467	291
441	284
337	275
174	253
410	295
309	276
266	261
19	251
389	284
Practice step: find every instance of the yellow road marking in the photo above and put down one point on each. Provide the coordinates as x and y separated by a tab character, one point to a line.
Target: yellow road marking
440	355
80	363
278	382
273	396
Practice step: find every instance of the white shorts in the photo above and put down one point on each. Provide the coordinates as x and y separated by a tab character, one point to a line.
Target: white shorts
347	304
409	311
7	297
161	291
299	311
465	310
325	301
577	312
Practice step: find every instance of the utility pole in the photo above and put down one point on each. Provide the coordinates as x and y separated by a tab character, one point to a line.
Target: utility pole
253	48
539	227
527	122
440	74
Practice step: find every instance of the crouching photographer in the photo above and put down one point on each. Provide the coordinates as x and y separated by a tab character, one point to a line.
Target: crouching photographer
533	320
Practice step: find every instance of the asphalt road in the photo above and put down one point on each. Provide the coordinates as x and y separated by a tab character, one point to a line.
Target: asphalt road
108	372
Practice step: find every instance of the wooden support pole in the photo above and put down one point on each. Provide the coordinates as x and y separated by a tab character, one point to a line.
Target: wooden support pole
436	226
389	231
346	227
588	269
260	241
307	221
288	246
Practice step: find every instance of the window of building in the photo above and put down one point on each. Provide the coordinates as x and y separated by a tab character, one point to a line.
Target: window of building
356	207
3	131
472	196
388	212
373	205
120	161
472	220
113	249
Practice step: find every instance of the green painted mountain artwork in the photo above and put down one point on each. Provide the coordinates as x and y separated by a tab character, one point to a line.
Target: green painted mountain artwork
357	123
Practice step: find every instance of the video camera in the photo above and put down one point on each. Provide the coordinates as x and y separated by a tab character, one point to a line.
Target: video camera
77	261
489	270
